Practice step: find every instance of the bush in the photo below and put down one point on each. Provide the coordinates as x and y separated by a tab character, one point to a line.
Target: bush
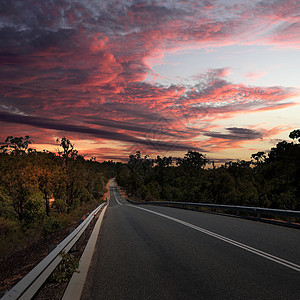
6	205
10	235
51	225
34	212
64	271
60	205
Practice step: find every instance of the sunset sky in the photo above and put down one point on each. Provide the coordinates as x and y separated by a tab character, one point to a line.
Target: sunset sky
220	77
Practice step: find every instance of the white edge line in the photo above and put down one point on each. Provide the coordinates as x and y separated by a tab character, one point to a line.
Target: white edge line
76	284
266	255
116	198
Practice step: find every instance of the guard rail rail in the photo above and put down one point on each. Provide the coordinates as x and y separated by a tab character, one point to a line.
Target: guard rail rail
31	283
259	212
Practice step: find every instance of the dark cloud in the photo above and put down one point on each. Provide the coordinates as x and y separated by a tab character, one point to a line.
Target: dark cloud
98	133
129	126
60	39
236	134
9	58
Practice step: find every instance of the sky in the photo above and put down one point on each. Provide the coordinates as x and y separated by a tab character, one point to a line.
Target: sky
162	77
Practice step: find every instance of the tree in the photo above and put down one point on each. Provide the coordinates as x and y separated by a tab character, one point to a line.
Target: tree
47	171
194	160
259	158
69	155
163	163
6	205
16	145
68	148
282	152
295	134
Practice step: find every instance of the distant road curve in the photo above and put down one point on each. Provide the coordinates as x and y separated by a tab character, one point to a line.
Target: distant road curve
153	252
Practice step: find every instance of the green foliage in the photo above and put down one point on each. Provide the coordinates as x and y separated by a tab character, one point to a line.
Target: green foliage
7	226
37	185
60	205
51	225
34	212
64	271
6	205
10	235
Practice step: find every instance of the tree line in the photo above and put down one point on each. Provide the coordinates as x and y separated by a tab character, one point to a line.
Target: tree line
270	180
40	191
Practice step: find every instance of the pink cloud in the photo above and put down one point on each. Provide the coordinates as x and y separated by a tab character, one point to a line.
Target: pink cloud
74	63
255	75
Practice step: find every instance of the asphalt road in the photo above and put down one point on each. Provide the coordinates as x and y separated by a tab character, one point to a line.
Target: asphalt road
152	252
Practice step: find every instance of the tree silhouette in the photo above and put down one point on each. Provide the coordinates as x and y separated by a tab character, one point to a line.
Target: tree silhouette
295	134
16	145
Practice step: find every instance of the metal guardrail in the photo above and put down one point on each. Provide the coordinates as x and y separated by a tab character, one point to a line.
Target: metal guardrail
31	283
257	211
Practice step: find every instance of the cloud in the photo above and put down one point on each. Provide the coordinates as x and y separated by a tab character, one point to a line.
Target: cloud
236	133
254	75
128	126
81	66
236	137
287	34
98	133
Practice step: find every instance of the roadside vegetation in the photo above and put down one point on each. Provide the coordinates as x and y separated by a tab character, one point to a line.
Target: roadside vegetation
41	192
270	180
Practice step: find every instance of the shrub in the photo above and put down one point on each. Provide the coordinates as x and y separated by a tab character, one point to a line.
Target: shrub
51	225
6	205
60	205
33	209
64	271
10	235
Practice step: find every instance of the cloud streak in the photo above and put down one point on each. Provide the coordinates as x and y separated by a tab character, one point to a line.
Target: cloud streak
98	133
237	134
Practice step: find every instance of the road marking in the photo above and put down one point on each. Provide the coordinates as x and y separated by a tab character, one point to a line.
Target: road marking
76	283
230	241
118	201
116	198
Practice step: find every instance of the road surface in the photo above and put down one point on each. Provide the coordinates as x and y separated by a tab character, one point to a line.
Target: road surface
153	252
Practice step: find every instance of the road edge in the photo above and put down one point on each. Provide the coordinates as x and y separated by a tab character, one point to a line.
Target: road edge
76	284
